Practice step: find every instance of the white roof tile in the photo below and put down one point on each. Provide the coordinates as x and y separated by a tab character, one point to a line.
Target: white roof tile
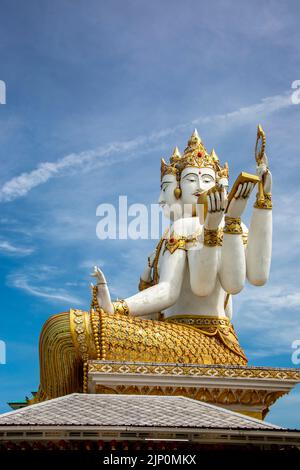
130	410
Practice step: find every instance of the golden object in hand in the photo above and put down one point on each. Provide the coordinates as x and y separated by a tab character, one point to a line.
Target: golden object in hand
259	153
241	179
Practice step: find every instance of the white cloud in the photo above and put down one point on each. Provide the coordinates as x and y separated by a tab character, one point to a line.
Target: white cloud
20	185
29	283
245	114
9	248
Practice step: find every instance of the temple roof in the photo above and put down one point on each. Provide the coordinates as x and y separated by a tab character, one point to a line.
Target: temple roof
130	411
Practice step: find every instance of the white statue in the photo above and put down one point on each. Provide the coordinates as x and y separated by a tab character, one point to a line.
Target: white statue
195	270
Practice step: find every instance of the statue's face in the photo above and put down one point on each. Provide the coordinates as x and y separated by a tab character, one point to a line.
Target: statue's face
170	205
195	181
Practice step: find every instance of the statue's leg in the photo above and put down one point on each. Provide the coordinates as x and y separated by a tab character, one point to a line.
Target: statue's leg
60	367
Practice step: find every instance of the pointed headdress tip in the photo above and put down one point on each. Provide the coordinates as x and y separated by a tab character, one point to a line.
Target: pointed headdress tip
214	156
176	152
194	139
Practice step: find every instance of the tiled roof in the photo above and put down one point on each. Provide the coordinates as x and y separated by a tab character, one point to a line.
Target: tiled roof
130	411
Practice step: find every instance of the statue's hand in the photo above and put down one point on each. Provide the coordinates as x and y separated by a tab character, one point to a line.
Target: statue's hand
239	202
263	172
103	294
216	203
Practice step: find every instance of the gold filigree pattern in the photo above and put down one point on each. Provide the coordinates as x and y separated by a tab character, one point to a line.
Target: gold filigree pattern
212	237
121	307
233	226
265	203
174	243
218	396
196	370
132	339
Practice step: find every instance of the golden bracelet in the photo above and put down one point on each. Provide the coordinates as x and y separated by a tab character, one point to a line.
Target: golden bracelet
233	226
211	237
121	307
266	203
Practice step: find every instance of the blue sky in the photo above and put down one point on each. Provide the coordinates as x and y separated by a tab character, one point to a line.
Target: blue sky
97	92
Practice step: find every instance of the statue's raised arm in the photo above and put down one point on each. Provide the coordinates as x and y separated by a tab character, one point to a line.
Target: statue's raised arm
259	247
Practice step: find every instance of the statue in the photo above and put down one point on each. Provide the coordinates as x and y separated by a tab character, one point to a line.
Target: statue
182	312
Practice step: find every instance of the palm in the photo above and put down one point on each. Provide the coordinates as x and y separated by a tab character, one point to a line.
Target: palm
103	294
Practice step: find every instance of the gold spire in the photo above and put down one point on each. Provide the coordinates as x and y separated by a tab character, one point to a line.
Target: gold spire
176	153
214	156
194	139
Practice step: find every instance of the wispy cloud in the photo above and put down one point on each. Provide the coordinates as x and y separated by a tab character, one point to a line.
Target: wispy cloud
20	185
8	248
36	281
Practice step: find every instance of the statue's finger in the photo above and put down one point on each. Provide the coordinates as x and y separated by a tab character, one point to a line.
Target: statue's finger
213	204
238	192
222	197
218	200
208	204
244	189
247	191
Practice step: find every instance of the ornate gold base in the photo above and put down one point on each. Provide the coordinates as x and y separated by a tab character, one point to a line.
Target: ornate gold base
248	390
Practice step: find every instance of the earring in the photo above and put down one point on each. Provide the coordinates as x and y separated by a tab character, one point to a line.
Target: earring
177	192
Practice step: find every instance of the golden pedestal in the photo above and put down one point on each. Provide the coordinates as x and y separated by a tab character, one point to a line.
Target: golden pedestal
244	389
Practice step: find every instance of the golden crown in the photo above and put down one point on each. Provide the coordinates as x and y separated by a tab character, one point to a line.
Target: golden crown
195	155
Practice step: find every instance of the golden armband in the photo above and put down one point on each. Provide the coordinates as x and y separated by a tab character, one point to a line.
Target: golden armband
266	203
121	307
212	237
233	226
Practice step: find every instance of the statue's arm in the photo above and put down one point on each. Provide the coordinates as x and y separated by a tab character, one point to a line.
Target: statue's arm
166	292
203	260
232	272
259	247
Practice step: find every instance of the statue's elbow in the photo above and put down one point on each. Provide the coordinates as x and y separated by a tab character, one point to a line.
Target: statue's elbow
257	280
235	289
233	281
258	276
170	294
233	286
